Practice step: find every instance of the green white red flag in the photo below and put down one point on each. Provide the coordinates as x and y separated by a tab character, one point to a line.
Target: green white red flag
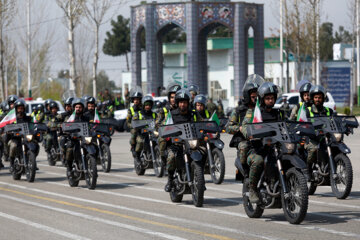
9	118
301	117
169	119
71	118
256	116
96	117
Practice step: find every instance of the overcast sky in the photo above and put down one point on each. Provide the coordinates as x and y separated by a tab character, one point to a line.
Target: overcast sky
335	11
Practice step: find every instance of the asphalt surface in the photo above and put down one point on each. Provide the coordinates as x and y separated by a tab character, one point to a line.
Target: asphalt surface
127	206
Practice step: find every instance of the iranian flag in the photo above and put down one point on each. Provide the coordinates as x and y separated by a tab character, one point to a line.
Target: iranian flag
97	117
301	117
9	118
214	117
34	119
256	117
169	119
71	118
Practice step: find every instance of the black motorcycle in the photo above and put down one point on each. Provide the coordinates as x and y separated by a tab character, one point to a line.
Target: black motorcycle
102	132
150	154
215	162
84	165
28	135
189	173
283	182
55	154
333	166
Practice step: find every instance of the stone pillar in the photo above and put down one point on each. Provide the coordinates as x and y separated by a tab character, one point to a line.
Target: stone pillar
240	51
151	49
135	53
202	81
259	42
192	42
160	64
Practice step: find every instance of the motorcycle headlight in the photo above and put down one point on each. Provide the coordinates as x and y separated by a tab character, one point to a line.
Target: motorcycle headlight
29	137
193	144
88	140
338	137
290	147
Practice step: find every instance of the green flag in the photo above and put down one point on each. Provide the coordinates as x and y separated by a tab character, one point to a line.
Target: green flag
215	118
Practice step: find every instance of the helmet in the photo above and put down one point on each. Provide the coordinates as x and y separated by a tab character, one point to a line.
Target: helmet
173	89
247	89
194	88
68	101
181	95
40	107
267	88
85	97
53	104
147	99
77	101
91	100
200	99
20	102
12	98
136	95
47	102
316	89
99	105
3	105
33	108
304	88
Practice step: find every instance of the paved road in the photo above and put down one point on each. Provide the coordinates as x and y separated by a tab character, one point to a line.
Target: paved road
125	206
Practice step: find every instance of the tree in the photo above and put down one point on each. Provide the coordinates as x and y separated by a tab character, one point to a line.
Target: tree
102	82
117	42
343	36
326	41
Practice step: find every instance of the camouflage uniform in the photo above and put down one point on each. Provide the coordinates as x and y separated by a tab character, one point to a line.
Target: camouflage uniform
313	146
131	113
235	122
211	107
52	124
141	115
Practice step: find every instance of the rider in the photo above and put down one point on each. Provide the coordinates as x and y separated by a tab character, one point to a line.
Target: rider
182	114
316	109
52	121
305	99
267	94
47	109
14	142
136	99
5	137
90	105
200	102
145	113
162	116
194	90
39	116
238	115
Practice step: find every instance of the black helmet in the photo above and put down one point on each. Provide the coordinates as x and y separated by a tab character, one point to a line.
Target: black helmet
316	89
47	102
147	99
85	97
248	88
53	104
68	101
40	107
90	100
173	89
3	105
136	95
304	88
200	99
19	102
12	98
33	108
181	95
77	101
99	105
194	88
267	88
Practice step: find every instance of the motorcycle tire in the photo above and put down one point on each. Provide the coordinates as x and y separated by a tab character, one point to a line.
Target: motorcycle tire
30	170
138	167
159	168
217	174
51	159
198	186
298	197
252	210
175	197
345	176
106	158
71	179
311	188
17	171
91	174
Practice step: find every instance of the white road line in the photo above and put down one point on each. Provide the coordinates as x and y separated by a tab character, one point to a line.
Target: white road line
153	214
94	218
43	227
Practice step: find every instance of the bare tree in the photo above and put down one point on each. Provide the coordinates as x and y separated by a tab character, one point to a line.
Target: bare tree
73	10
7	11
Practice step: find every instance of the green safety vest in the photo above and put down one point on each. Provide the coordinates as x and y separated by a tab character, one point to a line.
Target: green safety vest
165	111
141	116
207	114
132	111
117	102
312	114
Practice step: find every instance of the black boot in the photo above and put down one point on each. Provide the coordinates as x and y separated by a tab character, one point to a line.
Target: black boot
11	168
169	184
1	164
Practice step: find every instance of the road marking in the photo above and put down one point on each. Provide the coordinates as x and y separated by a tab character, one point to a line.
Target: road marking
177	219
93	209
42	227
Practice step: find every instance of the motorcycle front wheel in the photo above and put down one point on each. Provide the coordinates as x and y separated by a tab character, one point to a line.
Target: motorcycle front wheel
295	202
198	186
51	157
139	169
159	168
341	186
30	169
218	172
106	158
17	169
91	173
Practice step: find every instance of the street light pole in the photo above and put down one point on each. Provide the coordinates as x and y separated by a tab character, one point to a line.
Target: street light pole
357	51
29	48
317	16
281	45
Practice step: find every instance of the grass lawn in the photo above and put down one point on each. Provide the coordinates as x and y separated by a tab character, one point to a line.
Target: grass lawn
356	110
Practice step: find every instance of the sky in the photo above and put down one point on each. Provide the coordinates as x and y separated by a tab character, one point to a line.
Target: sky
335	11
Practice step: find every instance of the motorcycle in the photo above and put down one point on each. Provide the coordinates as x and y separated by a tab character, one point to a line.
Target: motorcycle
189	173
150	154
102	132
333	166
215	162
55	153
28	149
84	165
283	181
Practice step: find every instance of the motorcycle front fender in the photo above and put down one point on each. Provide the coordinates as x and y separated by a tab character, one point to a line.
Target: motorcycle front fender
295	161
217	143
90	149
32	146
342	147
106	140
196	156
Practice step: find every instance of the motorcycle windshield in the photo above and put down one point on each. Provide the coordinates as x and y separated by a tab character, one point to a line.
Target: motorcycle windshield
327	124
301	128
81	128
271	132
189	131
100	128
139	124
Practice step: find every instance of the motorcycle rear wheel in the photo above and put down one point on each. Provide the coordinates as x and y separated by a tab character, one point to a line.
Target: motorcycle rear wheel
251	209
51	157
91	174
159	168
30	170
341	186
